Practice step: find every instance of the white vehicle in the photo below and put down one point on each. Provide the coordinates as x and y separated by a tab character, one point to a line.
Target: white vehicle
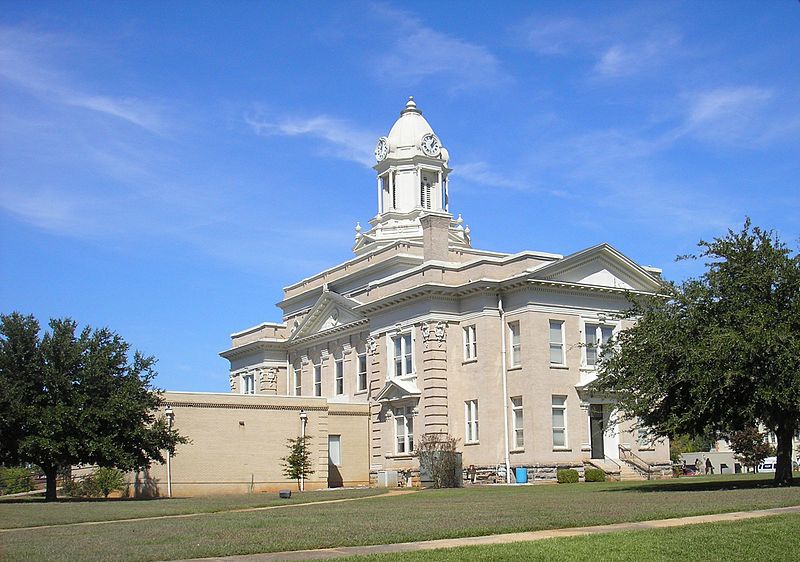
768	464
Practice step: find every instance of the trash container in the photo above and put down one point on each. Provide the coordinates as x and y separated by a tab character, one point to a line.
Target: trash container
521	475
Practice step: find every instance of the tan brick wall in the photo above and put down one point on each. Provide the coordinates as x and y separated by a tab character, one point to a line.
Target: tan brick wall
237	442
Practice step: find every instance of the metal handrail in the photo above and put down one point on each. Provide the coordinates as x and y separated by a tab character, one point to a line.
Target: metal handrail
642	464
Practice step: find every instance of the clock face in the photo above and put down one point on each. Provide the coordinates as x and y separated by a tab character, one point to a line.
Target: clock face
430	145
381	149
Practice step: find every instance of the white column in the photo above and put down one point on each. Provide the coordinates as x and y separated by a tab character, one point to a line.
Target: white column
380	196
446	195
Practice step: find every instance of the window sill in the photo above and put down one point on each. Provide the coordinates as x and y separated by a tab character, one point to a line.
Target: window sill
589	368
515	368
357	392
467	361
468	443
512	451
562	449
646	449
399	456
559	367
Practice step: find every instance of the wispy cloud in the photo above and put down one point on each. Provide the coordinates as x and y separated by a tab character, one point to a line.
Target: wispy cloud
624	59
420	52
340	138
25	64
483	173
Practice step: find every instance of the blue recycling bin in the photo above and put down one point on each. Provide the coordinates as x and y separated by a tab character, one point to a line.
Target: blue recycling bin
521	475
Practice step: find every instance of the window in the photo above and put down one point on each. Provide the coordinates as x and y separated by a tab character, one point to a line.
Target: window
470	345
362	371
425	193
516	411
557	342
596	337
403	362
248	384
644	438
317	380
404	429
513	336
471	416
559	421
335	450
338	377
297	382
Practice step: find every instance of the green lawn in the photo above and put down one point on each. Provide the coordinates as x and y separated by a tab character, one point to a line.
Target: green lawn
770	538
425	515
30	512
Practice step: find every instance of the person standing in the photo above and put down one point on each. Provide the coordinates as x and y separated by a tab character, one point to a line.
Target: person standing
709	466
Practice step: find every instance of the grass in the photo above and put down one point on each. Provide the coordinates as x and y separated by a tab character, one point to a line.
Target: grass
31	512
770	538
425	515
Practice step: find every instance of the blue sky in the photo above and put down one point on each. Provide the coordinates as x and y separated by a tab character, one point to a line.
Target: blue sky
167	167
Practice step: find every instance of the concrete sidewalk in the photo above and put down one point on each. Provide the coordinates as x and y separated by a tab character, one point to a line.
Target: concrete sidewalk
328	553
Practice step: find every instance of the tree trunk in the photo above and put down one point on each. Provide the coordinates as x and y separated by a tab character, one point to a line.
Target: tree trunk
783	466
51	473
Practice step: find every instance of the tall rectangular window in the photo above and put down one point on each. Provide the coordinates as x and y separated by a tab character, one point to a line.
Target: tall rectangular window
470	345
317	380
516	412
559	421
514	344
403	361
335	450
362	371
404	429
338	377
248	384
595	337
471	418
557	342
298	387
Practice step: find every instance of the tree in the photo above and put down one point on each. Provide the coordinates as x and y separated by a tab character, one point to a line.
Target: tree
297	464
679	444
75	398
750	447
438	458
718	353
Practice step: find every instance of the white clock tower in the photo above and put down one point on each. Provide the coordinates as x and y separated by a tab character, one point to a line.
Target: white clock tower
412	182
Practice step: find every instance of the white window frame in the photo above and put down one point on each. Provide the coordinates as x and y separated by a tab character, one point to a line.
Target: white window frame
317	379
298	382
559	345
406	355
361	375
515	349
471	429
404	430
562	407
248	383
518	422
338	377
597	329
645	440
470	343
337	460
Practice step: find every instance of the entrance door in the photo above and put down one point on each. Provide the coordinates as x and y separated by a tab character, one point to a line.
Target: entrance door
596	428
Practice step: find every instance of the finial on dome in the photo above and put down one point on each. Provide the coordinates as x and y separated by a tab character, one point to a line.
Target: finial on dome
411	107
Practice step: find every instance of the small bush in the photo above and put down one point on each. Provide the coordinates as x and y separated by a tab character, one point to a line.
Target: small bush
567	476
101	482
594	475
15	479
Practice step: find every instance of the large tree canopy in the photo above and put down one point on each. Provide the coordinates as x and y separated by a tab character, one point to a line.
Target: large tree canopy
76	398
718	353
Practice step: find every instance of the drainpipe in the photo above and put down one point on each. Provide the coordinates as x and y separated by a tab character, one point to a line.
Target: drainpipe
505	385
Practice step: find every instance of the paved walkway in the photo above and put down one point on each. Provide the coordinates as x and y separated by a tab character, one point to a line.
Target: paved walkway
207	513
328	553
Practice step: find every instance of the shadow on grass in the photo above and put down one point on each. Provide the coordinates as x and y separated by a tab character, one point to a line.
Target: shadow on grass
38	500
704	485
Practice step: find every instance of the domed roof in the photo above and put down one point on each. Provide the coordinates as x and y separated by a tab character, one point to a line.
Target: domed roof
410	128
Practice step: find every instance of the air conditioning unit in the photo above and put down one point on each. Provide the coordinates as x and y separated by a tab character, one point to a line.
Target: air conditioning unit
387	479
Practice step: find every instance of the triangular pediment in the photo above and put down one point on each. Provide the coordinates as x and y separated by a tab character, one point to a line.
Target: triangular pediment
331	310
600	266
395	390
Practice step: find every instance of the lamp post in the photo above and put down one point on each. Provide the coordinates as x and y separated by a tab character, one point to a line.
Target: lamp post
170	415
303	421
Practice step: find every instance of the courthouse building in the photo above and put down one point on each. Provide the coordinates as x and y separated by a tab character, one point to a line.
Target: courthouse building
421	333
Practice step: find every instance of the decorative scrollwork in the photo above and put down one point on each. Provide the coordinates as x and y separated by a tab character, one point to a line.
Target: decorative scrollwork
372	345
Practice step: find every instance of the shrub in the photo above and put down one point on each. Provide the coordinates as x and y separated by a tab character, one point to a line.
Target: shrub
594	475
15	479
439	460
567	476
101	482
